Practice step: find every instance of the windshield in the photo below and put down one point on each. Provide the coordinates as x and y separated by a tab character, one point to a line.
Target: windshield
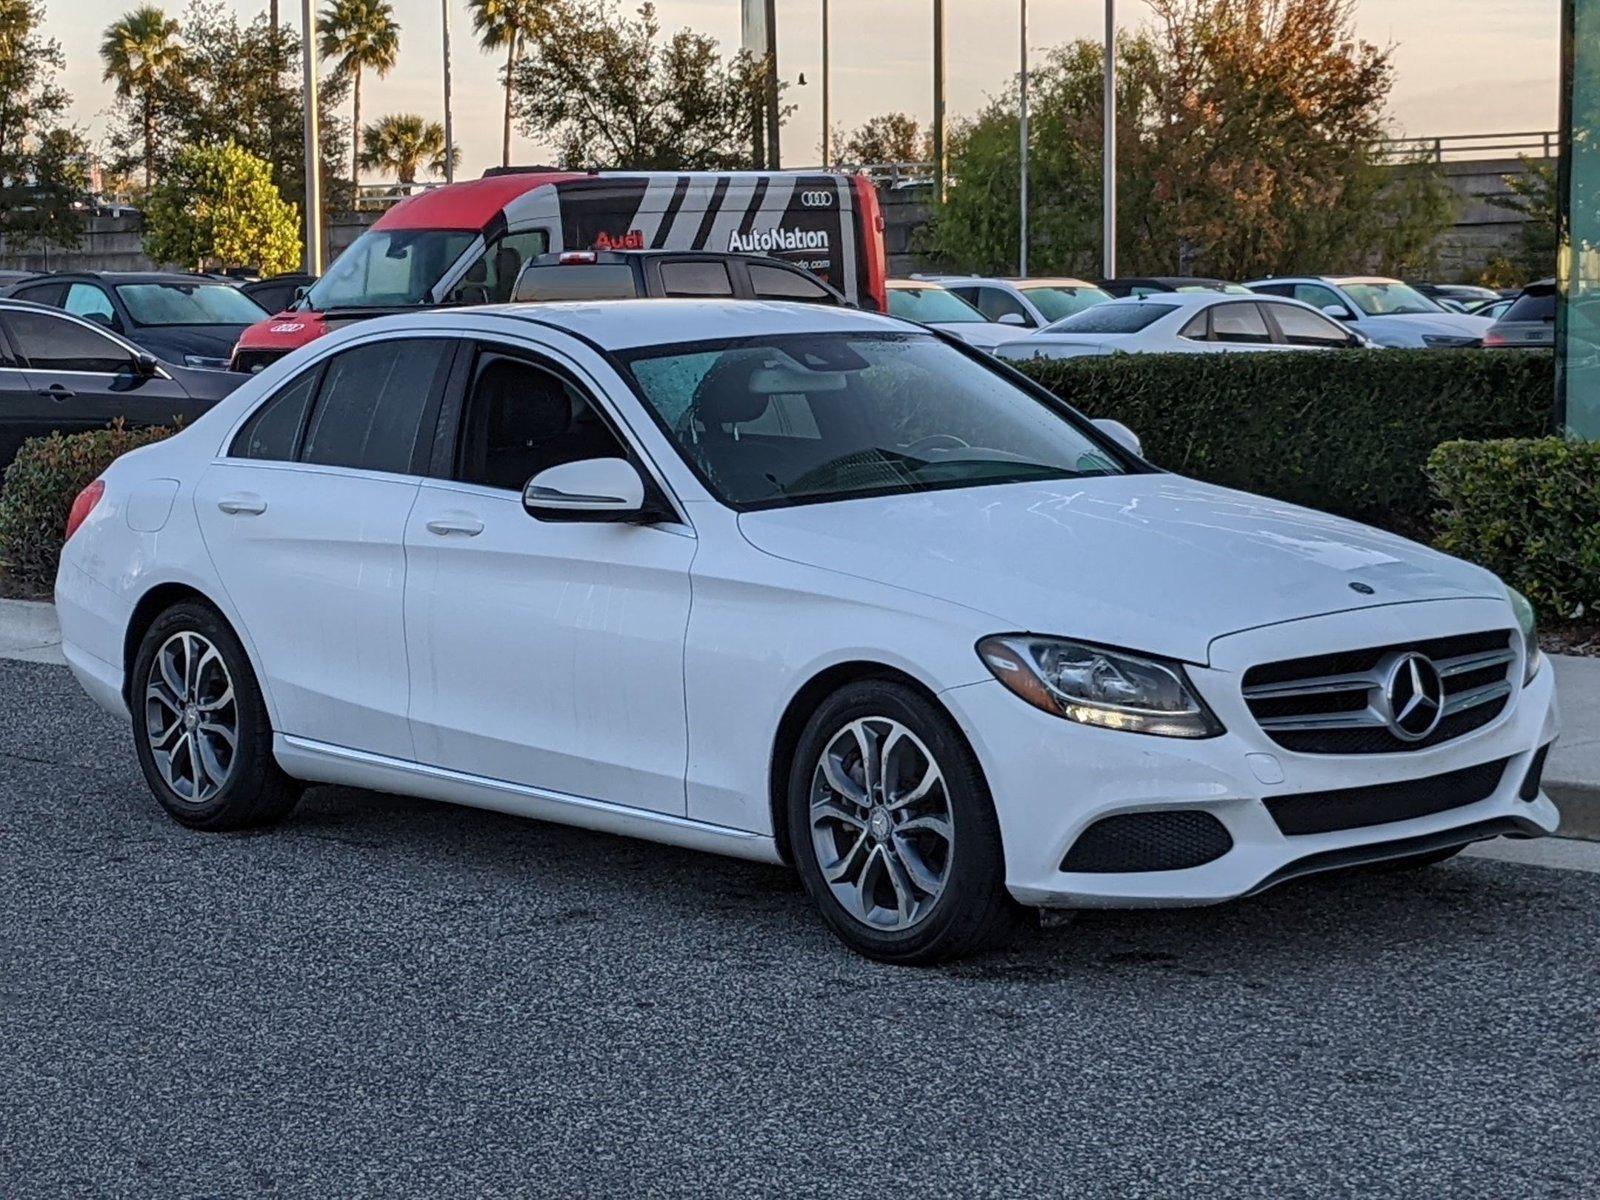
388	268
188	304
1390	299
802	418
1061	300
932	305
1126	316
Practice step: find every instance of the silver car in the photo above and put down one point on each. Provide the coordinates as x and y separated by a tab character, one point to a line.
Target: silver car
1530	322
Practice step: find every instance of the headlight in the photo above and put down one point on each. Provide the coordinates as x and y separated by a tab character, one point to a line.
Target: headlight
1096	686
1528	623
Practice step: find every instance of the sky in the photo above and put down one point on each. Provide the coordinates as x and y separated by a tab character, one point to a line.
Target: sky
1463	66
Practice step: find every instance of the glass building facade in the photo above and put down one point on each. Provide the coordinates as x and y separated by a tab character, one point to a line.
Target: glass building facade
1578	265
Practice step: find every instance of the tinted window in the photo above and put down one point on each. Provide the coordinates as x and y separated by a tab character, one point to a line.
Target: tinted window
1532	306
1239	323
274	428
775	283
695	279
582	281
520	420
491	278
90	302
1303	328
787	420
41	293
995	303
56	344
1126	316
273	297
370	406
1198	329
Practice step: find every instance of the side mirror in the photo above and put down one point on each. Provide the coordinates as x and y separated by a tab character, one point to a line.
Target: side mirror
1338	312
596	489
145	365
1120	434
1013	319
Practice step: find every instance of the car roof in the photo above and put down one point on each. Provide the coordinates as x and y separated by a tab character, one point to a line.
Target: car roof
915	283
1021	285
1184	299
116	277
1173	281
467	206
629	324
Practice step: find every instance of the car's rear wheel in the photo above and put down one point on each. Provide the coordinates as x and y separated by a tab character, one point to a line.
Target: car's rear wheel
200	727
893	829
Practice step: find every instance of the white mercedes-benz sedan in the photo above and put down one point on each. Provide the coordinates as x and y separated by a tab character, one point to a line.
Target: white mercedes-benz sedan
797	584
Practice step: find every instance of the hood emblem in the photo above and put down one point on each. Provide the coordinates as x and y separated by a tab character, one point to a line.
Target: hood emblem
1414	696
1364	588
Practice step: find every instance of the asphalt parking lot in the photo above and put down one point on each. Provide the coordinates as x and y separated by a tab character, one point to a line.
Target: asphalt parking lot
392	997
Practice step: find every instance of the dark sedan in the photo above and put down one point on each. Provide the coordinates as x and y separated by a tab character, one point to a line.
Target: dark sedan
185	320
62	373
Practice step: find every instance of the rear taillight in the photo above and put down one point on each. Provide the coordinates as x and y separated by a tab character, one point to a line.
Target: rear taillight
84	505
1494	339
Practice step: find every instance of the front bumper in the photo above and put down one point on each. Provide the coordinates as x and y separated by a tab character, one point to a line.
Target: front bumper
1052	779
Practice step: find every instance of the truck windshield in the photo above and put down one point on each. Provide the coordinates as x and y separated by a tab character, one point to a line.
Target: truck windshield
389	268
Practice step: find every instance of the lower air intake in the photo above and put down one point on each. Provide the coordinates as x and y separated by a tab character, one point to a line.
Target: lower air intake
1148	841
1355	808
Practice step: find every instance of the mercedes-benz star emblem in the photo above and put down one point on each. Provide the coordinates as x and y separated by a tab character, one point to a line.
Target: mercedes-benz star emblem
1415	696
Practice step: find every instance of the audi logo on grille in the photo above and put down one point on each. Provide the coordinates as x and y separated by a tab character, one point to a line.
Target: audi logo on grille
818	199
1414	694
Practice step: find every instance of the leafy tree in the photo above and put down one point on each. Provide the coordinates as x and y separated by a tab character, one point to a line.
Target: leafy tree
402	144
610	92
360	35
892	137
36	186
143	57
1248	143
1533	194
508	25
217	207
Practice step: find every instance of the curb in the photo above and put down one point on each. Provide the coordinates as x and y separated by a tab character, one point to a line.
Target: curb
1580	809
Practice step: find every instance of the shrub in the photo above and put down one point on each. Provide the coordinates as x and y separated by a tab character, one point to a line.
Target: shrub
1529	510
1345	431
40	485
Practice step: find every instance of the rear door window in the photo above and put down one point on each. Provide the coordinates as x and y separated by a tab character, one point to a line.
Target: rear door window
1533	306
375	404
695	279
273	430
1239	324
778	283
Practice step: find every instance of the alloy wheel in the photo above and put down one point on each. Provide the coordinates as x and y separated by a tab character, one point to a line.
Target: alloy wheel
881	823
191	717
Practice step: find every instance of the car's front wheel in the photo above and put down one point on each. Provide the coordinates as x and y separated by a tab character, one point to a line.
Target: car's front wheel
893	829
200	726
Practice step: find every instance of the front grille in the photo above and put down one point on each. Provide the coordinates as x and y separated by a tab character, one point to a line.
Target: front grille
1355	808
1334	703
251	361
1149	841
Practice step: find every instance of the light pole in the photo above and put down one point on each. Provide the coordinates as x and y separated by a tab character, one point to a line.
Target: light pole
827	129
1108	207
449	135
1022	149
308	66
938	101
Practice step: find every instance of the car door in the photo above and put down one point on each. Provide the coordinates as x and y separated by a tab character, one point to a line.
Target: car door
84	379
23	412
547	654
304	517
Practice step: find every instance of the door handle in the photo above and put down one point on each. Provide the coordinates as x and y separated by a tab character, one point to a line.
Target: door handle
58	391
464	525
242	504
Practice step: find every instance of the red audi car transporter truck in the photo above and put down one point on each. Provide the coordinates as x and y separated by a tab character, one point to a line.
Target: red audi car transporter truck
466	242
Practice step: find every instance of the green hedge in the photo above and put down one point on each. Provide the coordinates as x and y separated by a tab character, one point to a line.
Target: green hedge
1529	510
1345	431
40	485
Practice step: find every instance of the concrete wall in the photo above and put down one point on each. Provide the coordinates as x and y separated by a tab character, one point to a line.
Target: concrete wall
1481	231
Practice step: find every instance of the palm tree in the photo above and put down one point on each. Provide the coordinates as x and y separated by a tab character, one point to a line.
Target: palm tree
506	25
401	143
141	54
361	35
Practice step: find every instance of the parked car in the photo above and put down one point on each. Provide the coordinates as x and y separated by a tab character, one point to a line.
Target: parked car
1186	323
632	274
1150	285
795	583
1385	311
1464	295
1492	310
9	278
465	241
60	373
1025	303
1530	322
185	320
277	292
937	307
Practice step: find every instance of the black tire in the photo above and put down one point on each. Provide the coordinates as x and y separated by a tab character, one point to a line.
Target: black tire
974	912
254	790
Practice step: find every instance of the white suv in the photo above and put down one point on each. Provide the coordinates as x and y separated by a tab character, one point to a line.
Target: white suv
1385	311
1026	303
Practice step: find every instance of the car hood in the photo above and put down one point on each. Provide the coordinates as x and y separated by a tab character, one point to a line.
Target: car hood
985	335
1417	324
171	342
1152	562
